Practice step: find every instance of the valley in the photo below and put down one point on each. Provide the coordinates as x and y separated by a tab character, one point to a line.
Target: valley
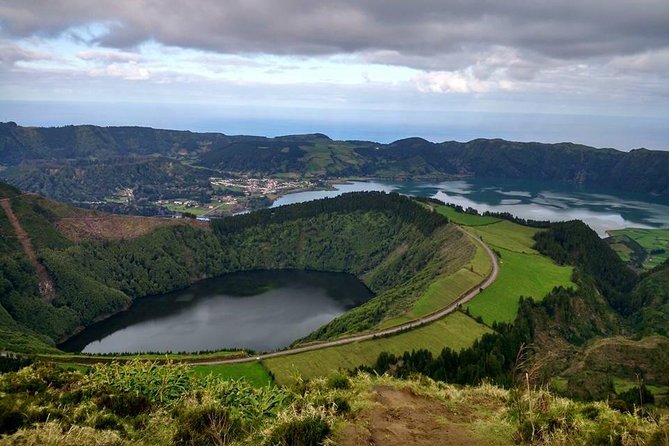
446	281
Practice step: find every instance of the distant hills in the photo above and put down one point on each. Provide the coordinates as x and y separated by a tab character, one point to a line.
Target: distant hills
73	163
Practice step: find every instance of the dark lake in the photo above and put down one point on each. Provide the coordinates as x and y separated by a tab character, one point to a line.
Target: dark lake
260	310
602	209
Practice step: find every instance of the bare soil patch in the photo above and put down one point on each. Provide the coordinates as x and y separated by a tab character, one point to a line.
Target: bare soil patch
117	227
400	418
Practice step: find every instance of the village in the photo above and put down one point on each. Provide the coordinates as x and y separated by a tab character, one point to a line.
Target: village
260	186
235	195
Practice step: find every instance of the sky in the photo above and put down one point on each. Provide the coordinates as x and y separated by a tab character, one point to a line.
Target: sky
594	72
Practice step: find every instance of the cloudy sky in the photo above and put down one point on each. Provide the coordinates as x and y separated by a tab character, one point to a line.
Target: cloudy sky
595	71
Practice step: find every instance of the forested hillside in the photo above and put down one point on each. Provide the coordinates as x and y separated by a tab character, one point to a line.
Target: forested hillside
385	239
60	162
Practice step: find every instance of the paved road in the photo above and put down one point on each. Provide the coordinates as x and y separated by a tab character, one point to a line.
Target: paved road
348	340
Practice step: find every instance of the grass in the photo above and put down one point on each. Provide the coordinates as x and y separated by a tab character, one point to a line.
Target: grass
178	407
456	331
465	219
146	356
185	209
648	239
528	275
446	288
444	292
523	271
623	251
508	235
253	372
72	367
623	385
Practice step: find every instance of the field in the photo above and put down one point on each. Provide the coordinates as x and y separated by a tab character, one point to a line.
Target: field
465	219
253	372
655	243
446	288
176	357
622	385
456	331
523	271
179	208
528	275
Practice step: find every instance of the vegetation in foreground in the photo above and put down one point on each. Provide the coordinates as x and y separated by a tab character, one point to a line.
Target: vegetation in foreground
148	404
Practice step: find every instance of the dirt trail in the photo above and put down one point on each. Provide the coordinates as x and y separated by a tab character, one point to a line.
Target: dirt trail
47	288
400	418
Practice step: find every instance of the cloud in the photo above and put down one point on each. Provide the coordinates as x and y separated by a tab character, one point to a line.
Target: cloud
109	56
458	82
407	33
128	71
656	62
11	53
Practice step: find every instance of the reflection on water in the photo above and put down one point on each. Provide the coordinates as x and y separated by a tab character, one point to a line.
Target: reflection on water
602	210
261	310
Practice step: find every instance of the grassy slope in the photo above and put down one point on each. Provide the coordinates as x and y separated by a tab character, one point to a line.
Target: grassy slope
253	372
456	331
446	288
523	271
649	239
177	357
465	219
16	338
378	410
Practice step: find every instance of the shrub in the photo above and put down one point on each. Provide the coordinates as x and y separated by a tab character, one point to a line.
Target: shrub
341	404
637	396
590	412
11	417
127	404
339	381
205	425
13	364
106	421
310	431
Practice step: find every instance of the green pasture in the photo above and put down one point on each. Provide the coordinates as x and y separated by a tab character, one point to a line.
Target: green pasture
456	331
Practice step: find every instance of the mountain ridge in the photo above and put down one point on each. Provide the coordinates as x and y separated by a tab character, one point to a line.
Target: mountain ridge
34	158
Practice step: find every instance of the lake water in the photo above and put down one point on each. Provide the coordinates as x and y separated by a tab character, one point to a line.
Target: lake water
602	210
261	310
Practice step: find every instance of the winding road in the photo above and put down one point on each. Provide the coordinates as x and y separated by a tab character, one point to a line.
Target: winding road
492	276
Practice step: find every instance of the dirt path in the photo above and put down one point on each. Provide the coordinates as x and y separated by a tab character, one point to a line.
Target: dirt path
400	418
397	329
47	288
